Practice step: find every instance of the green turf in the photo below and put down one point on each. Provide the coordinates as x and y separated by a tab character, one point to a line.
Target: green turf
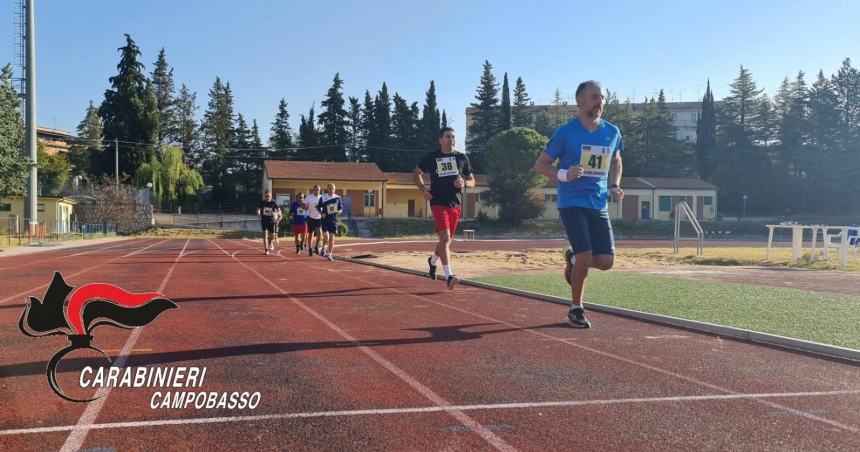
820	317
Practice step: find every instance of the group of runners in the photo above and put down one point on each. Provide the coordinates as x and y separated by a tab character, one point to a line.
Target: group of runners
583	156
314	220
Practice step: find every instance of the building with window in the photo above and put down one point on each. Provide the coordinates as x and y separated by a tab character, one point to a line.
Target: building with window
54	140
56	212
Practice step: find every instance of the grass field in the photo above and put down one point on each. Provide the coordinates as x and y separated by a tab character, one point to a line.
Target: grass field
753	255
826	318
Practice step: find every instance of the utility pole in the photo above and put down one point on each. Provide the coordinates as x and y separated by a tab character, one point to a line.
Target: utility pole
31	204
116	160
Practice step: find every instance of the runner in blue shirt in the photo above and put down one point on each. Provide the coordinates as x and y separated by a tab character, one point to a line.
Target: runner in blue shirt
588	150
330	205
299	218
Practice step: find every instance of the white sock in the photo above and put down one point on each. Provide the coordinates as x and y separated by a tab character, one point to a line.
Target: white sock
448	271
434	260
575	306
573	259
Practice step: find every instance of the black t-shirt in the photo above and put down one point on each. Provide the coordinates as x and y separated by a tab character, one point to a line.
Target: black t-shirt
443	170
267	211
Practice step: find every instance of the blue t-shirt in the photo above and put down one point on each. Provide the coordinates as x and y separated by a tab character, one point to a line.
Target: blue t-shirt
572	144
300	215
330	206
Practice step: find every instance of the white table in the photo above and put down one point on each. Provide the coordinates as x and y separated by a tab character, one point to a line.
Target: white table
843	243
797	239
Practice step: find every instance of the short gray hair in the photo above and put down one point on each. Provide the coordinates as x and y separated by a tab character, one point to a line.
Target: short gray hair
582	86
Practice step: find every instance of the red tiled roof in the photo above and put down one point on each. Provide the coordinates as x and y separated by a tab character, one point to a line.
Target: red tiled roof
400	178
280	169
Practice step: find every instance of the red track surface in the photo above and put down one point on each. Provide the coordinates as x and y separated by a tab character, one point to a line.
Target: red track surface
352	357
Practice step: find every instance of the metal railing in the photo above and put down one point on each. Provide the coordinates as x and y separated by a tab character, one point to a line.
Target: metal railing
683	207
16	230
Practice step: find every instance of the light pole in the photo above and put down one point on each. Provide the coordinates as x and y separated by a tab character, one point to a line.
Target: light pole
803	194
744	208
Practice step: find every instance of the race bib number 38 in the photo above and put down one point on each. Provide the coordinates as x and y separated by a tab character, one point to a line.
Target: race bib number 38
595	160
331	208
447	166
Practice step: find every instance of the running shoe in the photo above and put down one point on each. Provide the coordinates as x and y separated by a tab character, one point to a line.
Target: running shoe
432	271
452	281
576	317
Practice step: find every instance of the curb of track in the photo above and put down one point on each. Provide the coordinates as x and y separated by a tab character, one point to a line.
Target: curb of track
791	344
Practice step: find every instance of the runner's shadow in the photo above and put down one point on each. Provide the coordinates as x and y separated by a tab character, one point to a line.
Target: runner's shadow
440	334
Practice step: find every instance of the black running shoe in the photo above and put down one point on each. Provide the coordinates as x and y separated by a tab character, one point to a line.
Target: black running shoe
452	281
576	317
298	249
310	251
568	268
432	271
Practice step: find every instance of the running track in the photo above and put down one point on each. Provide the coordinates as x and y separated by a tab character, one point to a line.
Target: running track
353	357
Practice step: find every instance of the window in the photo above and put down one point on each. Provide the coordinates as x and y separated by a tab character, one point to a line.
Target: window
709	200
41	207
370	198
551	197
5	207
665	204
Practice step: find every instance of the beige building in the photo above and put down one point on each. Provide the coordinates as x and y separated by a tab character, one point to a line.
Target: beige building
54	140
56	212
368	192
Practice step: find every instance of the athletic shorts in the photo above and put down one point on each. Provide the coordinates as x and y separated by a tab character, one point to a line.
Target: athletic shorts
300	229
269	226
446	218
313	224
588	230
329	226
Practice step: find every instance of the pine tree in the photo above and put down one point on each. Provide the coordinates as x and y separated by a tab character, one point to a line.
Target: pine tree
309	139
519	112
187	134
128	112
241	157
281	136
368	126
485	119
14	167
444	124
332	123
379	139
162	80
84	154
217	131
404	125
706	135
846	85
430	120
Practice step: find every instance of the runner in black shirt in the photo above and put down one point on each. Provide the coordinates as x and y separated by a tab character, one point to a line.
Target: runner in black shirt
269	214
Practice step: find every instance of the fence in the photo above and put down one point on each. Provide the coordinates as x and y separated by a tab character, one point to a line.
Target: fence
19	231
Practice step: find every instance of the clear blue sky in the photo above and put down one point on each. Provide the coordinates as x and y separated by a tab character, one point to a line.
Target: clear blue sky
273	49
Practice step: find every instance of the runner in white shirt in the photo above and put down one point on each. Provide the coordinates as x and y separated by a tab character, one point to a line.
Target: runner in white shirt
314	220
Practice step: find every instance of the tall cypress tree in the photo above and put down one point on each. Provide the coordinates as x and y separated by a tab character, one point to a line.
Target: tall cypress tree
404	125
332	122
355	131
162	80
127	111
846	85
241	156
380	142
430	120
706	135
485	119
505	107
281	136
519	112
84	154
309	139
187	130
444	124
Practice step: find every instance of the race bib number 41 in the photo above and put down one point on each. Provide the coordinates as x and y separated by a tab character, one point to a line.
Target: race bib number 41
595	160
447	166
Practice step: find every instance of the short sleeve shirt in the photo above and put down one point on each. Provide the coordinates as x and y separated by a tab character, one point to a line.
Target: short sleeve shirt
330	205
443	170
312	200
572	144
299	213
268	209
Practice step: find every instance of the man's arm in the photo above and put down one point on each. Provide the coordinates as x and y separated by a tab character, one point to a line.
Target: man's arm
615	172
419	182
543	166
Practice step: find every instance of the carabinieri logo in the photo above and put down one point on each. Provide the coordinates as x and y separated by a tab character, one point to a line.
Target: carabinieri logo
87	307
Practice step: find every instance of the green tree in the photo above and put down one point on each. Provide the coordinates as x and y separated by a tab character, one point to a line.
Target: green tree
505	107
430	120
513	182
281	135
129	112
706	135
519	113
309	138
485	119
379	133
172	180
217	134
332	123
164	90
187	133
846	85
14	167
444	124
84	153
355	131
54	170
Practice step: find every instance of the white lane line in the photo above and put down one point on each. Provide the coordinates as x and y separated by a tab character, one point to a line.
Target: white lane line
394	242
30	291
79	432
61	250
428	393
609	355
428	409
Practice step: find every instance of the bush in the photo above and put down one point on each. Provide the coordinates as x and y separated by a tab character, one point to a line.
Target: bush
342	229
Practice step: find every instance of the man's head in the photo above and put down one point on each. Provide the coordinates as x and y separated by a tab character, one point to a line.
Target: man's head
447	139
589	99
316	190
300	197
330	189
267	196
